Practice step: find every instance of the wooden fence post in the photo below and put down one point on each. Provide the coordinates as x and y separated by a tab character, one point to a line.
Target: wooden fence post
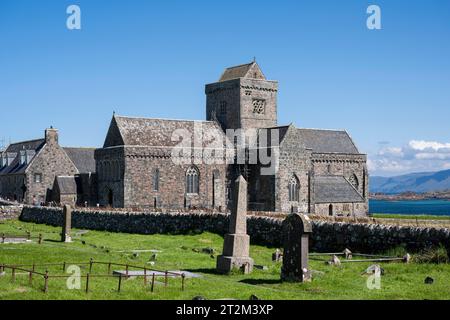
145	277
153	281
91	262
40	238
165	279
182	281
46	282
87	283
30	278
13	274
120	282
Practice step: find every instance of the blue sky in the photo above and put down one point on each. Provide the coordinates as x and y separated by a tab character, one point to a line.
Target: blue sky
389	88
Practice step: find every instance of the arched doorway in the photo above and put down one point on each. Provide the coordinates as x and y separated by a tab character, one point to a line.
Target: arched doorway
330	210
110	198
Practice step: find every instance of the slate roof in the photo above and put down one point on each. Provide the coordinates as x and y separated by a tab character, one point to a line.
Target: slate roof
83	158
67	185
337	189
327	141
157	132
281	133
15	148
240	71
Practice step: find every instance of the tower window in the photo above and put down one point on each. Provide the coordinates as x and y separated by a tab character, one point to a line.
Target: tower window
192	183
223	107
259	106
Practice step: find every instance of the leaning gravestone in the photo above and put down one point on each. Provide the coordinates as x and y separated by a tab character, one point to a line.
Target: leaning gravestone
296	230
236	244
67	224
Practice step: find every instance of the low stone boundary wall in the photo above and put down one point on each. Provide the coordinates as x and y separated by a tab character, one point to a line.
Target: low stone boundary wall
8	212
326	237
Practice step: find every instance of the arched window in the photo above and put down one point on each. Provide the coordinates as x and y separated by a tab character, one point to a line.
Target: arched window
192	176
156	180
354	181
330	210
107	170
294	187
113	170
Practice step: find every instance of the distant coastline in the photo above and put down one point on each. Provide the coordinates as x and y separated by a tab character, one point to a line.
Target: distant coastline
411	196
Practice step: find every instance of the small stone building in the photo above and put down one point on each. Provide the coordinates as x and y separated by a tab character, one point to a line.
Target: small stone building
28	169
80	189
65	190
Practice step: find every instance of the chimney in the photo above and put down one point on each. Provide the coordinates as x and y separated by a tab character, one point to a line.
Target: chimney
51	135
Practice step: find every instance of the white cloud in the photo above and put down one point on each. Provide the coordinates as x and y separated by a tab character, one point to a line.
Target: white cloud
415	156
422	145
391	151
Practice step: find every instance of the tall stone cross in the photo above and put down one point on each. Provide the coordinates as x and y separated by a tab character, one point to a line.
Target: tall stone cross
236	244
296	230
67	224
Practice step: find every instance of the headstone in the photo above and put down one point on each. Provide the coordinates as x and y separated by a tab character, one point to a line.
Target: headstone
296	230
374	269
277	256
348	254
67	224
407	258
429	280
236	244
334	261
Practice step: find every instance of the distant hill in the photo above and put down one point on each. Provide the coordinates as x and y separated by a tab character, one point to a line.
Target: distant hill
414	182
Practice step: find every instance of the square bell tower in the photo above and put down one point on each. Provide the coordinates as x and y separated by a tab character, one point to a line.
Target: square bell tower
242	98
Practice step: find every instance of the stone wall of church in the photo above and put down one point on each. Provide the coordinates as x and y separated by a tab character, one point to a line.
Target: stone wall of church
358	209
354	169
110	166
258	103
345	165
223	103
140	191
294	164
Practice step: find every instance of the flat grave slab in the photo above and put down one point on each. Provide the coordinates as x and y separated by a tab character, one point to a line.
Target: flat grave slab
136	273
15	240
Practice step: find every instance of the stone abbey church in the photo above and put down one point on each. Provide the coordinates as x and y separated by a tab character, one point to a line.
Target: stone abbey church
318	171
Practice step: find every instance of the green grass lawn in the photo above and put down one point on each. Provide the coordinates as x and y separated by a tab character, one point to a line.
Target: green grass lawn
401	281
406	216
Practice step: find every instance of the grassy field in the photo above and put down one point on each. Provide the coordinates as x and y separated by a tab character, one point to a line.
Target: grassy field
400	281
409	216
